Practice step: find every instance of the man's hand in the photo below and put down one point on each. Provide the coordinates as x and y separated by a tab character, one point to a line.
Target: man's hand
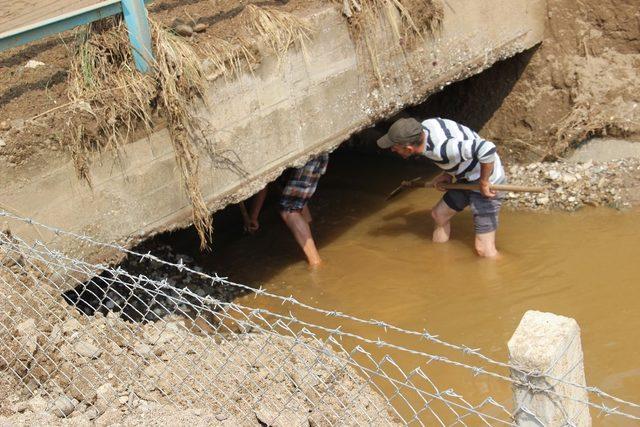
486	169
486	191
443	178
251	226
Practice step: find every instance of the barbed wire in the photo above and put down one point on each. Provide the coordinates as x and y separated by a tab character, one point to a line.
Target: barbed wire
75	269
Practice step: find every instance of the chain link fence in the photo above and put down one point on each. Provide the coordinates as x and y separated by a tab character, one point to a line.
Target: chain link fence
83	342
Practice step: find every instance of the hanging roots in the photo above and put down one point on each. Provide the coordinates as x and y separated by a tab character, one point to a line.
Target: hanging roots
408	20
112	100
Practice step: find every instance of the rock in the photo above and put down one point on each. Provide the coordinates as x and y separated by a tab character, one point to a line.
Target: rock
2	143
33	64
17	124
92	413
143	349
86	349
542	200
553	175
63	406
183	30
284	418
71	325
106	397
5	125
200	27
20	407
221	416
37	404
569	179
110	417
26	328
83	384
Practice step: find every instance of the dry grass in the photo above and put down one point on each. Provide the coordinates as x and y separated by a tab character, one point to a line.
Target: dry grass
112	100
280	30
408	20
276	30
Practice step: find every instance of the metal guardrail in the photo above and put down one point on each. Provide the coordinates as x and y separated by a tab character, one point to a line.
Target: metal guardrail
133	11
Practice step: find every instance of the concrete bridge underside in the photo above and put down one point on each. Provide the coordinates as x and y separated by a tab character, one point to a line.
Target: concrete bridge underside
264	121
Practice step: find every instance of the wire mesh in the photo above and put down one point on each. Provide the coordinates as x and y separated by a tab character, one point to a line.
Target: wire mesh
94	341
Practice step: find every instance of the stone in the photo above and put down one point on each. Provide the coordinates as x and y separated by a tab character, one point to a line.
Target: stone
284	418
143	349
183	30
553	175
37	404
86	349
106	397
63	407
20	407
83	384
2	143
200	27
26	328
17	124
33	64
109	417
71	325
5	125
92	413
221	416
542	200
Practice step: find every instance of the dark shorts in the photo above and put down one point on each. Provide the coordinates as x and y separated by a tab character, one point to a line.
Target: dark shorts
302	183
485	210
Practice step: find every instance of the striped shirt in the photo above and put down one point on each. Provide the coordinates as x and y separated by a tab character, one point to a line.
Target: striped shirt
459	151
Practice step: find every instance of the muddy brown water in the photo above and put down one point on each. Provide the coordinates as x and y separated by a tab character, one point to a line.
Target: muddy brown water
380	264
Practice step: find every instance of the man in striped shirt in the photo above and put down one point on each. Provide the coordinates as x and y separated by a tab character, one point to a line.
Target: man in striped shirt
463	155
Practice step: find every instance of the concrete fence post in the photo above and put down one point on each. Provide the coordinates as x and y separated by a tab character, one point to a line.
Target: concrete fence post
544	349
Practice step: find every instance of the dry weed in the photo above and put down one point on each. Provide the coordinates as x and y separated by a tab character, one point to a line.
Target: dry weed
280	30
112	100
408	20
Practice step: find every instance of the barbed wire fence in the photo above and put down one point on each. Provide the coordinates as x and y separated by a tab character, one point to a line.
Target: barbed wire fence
96	342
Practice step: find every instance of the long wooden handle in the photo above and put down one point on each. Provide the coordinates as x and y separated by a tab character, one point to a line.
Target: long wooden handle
496	187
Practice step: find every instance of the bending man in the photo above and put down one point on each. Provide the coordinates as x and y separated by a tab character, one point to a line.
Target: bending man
300	186
462	154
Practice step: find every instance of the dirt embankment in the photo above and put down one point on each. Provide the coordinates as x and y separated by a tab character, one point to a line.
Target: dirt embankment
581	81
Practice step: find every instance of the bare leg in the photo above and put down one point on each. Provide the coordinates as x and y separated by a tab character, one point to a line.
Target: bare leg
306	214
486	245
302	233
442	214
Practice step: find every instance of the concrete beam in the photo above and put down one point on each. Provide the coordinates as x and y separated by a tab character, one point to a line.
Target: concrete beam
265	121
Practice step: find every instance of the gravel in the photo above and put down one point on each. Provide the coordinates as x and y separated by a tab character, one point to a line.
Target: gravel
106	370
572	186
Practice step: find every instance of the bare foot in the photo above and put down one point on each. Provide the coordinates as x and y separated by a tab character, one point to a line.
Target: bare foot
315	264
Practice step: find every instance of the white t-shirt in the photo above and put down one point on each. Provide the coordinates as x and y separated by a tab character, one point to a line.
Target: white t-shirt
459	151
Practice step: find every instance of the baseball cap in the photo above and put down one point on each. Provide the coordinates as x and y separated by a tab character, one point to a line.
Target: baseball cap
404	131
